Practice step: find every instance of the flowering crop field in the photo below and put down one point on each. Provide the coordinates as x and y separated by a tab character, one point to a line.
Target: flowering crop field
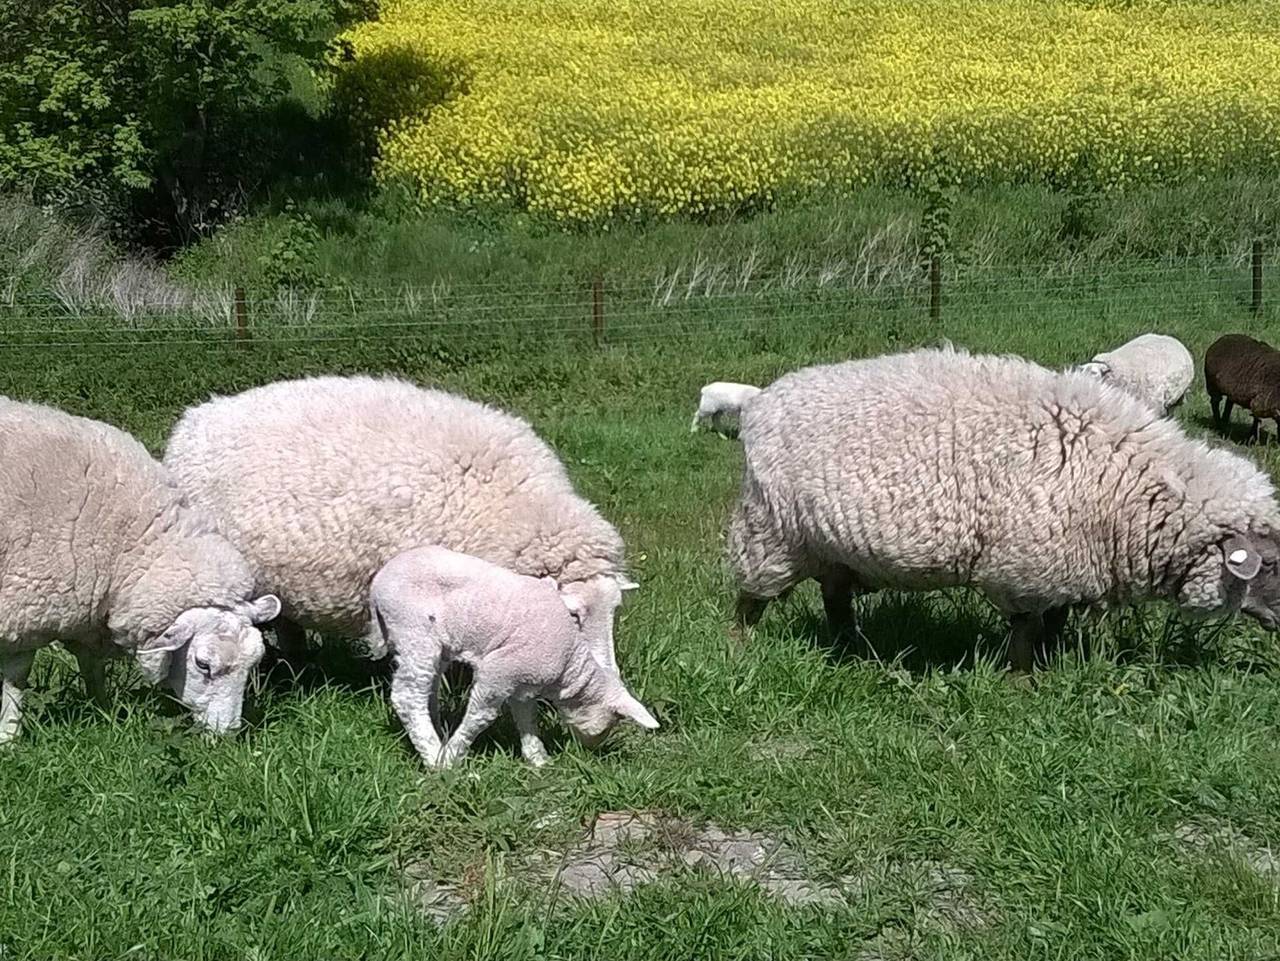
586	111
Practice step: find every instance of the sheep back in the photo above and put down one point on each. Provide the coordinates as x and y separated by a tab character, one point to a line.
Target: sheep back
1153	367
321	481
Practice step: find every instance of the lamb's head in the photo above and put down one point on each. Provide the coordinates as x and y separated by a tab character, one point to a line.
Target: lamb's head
594	715
1095	368
594	603
1240	573
205	658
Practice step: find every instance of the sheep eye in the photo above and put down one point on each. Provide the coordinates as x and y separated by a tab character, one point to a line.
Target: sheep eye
202	665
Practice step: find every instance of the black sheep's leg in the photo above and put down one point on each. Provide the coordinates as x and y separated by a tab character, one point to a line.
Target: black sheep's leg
1022	643
1227	408
1215	406
1053	620
837	600
1255	432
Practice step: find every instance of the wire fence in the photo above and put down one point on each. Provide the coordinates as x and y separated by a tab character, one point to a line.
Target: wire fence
938	294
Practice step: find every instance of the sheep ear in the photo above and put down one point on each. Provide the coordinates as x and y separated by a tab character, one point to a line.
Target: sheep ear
1096	368
171	640
625	583
629	709
1241	559
265	608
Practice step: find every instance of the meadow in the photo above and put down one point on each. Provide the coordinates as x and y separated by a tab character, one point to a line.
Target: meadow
599	112
1123	805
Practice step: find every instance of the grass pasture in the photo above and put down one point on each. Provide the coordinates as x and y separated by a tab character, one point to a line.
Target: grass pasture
1122	807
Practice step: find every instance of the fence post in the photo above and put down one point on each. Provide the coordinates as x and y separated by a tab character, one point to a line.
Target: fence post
597	310
935	287
242	317
1257	276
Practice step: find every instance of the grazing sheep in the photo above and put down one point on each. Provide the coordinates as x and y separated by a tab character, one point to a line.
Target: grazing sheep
935	468
321	481
98	550
522	637
1154	368
721	403
1246	372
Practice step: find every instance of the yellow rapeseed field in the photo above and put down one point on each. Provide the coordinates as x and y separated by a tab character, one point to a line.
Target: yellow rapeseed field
590	110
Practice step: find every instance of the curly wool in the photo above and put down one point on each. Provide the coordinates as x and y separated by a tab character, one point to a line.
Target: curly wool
935	468
95	539
321	481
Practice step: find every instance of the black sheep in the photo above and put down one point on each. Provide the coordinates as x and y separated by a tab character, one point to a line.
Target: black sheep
1246	372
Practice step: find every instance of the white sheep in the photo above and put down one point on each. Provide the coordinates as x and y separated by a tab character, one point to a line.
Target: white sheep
1044	490
321	481
1155	368
522	637
720	405
98	550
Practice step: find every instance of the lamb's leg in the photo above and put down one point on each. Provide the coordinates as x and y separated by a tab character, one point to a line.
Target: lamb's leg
1215	405
747	612
697	419
483	707
525	714
1027	630
1255	432
837	600
93	673
414	681
1227	408
15	668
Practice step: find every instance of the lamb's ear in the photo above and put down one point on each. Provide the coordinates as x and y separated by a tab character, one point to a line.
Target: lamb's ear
171	640
1241	559
576	605
1095	368
154	666
265	608
628	708
625	583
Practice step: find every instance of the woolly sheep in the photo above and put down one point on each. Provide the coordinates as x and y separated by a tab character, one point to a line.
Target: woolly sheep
98	550
522	637
1246	372
1044	490
1155	368
719	403
321	481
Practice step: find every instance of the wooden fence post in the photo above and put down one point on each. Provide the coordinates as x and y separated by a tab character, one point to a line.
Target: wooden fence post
935	287
1257	276
597	310
242	317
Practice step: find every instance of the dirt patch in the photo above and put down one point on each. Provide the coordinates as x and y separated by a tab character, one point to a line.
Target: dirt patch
624	849
779	749
441	901
1207	836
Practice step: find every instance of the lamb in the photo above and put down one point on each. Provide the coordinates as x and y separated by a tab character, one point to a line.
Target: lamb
522	636
720	404
1154	368
1044	490
321	481
99	550
1246	372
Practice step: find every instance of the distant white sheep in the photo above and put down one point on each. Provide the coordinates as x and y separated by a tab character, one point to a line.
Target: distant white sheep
99	551
720	406
1044	490
523	637
1155	368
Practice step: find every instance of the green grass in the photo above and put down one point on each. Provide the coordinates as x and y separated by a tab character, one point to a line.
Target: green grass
130	836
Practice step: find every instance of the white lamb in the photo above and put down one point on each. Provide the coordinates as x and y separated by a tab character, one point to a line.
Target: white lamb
1044	490
523	638
321	481
720	406
1155	368
98	550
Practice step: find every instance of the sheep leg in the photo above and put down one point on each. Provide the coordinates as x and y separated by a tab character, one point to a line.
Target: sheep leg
837	600
747	612
1215	406
1255	432
14	670
483	707
414	681
93	674
1227	408
697	421
525	713
1053	621
1027	629
291	639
